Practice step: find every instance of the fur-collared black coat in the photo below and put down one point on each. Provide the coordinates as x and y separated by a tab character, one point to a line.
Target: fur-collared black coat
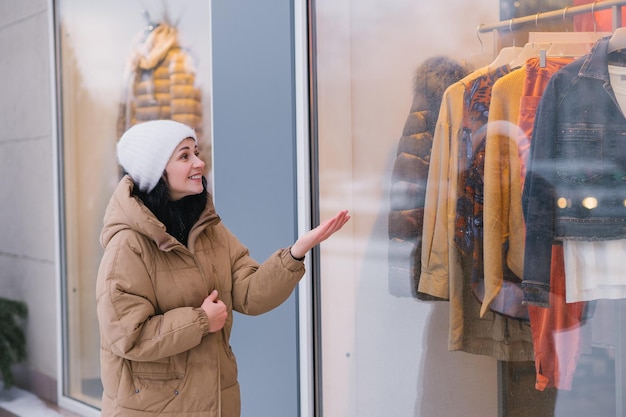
410	173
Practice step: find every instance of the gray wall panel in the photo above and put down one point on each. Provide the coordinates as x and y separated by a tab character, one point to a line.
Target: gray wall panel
255	181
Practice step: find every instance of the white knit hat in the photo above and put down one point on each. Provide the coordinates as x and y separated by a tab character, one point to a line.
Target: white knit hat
144	149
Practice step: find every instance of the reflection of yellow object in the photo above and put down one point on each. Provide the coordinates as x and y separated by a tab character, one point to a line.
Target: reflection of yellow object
590	202
562	202
624	203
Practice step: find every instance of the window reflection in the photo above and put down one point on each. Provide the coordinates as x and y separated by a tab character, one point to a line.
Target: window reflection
101	47
418	317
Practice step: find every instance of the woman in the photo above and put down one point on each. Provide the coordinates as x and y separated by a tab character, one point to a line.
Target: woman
170	277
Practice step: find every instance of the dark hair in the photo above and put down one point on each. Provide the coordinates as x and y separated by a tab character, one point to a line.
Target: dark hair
177	216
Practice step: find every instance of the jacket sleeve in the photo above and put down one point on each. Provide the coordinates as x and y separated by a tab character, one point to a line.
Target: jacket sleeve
130	322
502	207
257	289
538	202
440	199
406	214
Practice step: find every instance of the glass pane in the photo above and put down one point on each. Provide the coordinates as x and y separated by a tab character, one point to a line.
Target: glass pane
105	49
423	311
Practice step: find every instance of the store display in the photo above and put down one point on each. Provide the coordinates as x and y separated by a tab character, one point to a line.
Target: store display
504	169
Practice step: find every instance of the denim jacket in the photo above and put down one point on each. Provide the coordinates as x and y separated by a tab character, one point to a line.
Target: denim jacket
575	186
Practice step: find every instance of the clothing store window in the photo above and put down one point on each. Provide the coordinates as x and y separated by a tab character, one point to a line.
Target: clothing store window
119	63
424	126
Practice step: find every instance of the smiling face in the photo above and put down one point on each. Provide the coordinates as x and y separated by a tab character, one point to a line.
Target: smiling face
183	172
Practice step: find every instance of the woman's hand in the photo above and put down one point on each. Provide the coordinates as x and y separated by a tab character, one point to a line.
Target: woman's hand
215	311
318	234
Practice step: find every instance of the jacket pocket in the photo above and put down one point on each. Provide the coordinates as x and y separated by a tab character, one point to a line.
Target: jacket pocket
170	368
579	154
157	380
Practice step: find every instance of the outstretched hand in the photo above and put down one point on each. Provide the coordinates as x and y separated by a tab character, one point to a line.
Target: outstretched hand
319	234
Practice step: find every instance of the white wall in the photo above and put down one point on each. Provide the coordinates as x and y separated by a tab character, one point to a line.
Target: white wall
27	210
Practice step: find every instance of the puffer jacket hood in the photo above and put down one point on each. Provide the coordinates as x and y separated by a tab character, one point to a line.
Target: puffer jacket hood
128	213
156	46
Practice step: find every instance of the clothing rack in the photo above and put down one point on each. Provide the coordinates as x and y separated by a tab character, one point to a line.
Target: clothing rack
619	305
559	14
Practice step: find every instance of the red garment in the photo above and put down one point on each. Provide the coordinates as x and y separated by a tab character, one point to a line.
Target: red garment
556	331
535	82
600	21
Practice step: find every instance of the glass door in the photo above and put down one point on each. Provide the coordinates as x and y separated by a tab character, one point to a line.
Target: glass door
99	47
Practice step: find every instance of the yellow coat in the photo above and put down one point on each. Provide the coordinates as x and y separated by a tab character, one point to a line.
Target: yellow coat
442	271
160	83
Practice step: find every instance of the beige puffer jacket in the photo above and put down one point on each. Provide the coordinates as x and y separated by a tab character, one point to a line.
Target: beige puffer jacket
157	357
